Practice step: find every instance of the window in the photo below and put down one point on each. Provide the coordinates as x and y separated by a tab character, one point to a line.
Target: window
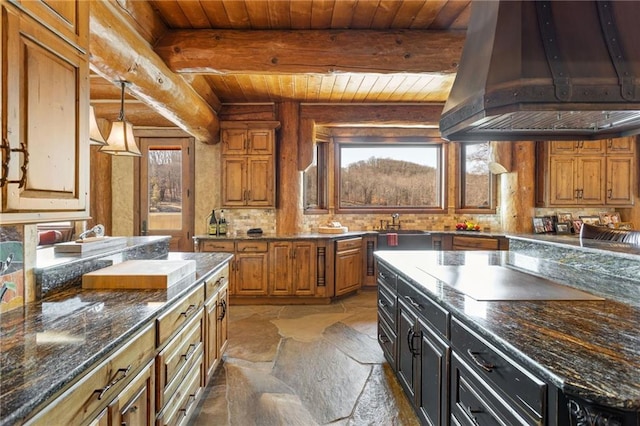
476	181
389	176
315	181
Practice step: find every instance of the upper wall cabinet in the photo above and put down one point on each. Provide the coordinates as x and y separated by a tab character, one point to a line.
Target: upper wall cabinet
45	111
586	173
248	164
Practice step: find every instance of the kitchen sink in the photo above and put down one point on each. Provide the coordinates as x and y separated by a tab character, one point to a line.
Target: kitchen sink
407	240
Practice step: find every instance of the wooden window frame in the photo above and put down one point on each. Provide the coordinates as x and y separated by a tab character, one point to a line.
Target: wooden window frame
390	141
460	183
323	169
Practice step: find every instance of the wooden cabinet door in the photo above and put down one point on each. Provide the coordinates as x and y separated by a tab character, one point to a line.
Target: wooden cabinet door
260	142
348	271
223	320
280	268
562	181
621	145
304	268
135	404
47	114
234	142
564	147
211	354
234	181
260	181
591	180
620	173
407	350
251	274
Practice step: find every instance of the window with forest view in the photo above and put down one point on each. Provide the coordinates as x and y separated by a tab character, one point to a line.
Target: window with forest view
476	187
390	176
165	188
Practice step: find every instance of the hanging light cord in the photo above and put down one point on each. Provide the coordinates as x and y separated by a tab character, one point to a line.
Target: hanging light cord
121	116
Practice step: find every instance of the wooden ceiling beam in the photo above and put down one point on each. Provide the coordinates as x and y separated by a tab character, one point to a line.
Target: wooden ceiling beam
311	51
119	53
376	115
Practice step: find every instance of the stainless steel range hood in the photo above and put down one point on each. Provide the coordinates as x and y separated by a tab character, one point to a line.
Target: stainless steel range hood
542	70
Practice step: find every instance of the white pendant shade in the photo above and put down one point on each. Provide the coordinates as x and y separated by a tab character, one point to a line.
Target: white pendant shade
95	135
121	140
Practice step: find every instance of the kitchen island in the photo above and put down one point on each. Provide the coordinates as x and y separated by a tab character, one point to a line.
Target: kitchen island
529	360
75	340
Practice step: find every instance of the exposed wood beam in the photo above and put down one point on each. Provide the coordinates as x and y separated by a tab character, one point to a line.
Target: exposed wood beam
376	115
311	51
118	52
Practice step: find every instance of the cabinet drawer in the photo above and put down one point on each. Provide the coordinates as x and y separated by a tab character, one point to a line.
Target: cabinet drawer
474	403
387	306
181	407
388	341
526	393
387	276
349	244
475	243
174	362
216	281
224	246
431	312
251	246
169	322
98	387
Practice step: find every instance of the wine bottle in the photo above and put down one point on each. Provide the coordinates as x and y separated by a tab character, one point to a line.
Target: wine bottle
222	224
213	223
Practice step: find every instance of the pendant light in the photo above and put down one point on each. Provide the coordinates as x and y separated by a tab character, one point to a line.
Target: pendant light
95	135
121	140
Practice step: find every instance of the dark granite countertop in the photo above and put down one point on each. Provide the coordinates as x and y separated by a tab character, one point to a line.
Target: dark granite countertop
49	343
590	349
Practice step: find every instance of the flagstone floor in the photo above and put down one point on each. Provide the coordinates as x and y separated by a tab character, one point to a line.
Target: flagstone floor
303	366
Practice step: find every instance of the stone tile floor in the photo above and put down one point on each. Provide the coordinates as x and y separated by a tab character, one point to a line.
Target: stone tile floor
305	365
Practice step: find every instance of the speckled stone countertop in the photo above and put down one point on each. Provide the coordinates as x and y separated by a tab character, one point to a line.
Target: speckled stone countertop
44	346
589	349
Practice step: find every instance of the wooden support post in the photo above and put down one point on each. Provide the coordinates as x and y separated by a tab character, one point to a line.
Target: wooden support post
517	190
289	210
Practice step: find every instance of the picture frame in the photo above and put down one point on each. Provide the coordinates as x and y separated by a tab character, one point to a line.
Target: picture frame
627	226
577	225
565	217
549	223
605	218
563	228
591	220
615	218
538	225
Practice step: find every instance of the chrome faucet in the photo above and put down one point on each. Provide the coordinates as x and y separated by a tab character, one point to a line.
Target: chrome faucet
395	217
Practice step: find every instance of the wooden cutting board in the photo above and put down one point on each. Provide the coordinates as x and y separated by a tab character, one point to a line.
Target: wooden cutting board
140	274
90	245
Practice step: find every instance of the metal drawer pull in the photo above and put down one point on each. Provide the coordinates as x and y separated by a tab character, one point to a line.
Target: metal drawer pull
479	362
382	304
183	411
190	351
413	302
471	412
383	338
188	311
124	371
223	305
411	334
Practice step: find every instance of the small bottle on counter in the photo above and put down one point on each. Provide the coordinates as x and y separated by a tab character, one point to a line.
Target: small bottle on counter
213	223
222	224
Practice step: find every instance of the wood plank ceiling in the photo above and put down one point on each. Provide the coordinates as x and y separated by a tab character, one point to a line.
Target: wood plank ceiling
315	51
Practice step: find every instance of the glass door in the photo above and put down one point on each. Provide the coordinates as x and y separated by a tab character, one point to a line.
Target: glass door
166	180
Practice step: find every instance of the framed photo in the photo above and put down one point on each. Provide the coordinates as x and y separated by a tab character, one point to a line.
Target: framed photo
627	226
605	218
577	225
590	220
565	217
615	218
538	225
563	228
548	223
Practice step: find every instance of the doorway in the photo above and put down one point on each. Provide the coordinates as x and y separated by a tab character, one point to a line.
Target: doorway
166	188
